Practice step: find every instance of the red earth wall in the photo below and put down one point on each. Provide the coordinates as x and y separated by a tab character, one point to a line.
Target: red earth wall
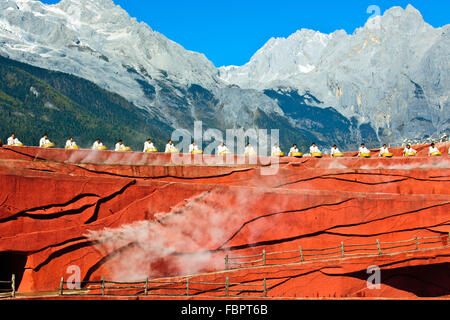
168	220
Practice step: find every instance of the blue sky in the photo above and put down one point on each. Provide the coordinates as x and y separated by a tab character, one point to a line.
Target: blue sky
229	32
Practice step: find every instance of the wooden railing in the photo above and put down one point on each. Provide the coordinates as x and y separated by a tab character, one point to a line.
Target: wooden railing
340	251
10	291
162	288
256	288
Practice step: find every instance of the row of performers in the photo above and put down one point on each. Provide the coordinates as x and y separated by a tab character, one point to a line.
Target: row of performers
364	152
44	142
222	149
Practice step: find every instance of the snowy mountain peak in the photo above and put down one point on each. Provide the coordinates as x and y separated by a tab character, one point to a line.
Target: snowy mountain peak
97	37
407	20
286	59
409	12
370	74
105	4
93	10
280	58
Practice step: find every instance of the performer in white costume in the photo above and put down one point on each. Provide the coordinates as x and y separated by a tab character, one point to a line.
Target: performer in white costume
293	150
45	143
149	146
276	151
408	151
384	150
433	150
70	144
222	149
314	149
193	147
13	141
249	150
120	146
363	151
336	152
97	145
170	147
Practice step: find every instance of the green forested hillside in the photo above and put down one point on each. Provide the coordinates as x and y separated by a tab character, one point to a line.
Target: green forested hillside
34	101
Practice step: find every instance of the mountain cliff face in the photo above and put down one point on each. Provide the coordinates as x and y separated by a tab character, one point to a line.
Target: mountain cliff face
34	101
385	83
392	73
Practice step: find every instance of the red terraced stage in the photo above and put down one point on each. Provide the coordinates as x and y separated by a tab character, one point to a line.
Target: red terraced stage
181	223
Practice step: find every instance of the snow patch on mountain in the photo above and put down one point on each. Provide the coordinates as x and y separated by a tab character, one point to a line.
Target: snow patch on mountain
371	74
99	41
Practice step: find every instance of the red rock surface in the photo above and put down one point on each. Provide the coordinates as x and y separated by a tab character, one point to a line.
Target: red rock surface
168	220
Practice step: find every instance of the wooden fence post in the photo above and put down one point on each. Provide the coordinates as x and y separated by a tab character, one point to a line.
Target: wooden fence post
379	247
264	256
13	285
187	286
342	249
103	286
301	253
416	241
264	288
146	286
61	286
227	284
226	261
